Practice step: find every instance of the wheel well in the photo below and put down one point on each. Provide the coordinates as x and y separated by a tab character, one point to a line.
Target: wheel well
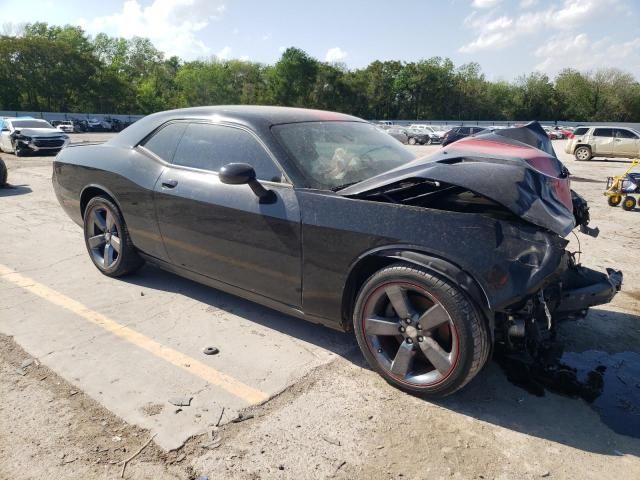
372	263
89	193
358	275
581	145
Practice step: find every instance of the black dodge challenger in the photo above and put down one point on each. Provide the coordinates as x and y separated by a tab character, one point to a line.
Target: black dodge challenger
433	262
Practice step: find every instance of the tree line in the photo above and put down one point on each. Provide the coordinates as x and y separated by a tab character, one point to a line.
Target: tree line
53	68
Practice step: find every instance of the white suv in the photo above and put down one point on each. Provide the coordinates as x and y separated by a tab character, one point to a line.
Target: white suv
588	142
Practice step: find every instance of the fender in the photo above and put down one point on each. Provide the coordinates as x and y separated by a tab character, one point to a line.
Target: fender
434	264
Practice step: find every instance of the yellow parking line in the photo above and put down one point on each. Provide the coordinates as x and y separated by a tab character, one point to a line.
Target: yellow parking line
197	368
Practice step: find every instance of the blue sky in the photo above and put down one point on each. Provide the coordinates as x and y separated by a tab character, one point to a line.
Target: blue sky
506	37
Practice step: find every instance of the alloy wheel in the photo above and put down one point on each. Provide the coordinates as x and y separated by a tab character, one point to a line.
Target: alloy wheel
104	238
410	334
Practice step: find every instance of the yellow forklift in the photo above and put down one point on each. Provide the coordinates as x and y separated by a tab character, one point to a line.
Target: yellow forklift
621	189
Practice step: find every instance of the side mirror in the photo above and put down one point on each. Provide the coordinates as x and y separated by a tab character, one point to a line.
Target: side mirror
237	174
243	173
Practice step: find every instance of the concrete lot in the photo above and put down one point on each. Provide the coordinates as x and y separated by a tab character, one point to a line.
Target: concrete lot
129	347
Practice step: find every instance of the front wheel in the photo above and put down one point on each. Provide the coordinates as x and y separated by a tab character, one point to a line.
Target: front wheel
419	332
16	150
107	239
412	141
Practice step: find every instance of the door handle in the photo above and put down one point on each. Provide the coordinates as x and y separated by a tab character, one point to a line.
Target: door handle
170	184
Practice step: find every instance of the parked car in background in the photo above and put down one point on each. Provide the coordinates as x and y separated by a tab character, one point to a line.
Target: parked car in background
409	136
399	134
64	126
458	133
434	133
554	134
23	135
606	141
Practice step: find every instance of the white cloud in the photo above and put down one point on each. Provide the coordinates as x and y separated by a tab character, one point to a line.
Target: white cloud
581	53
267	37
172	25
484	3
224	53
528	3
492	32
335	55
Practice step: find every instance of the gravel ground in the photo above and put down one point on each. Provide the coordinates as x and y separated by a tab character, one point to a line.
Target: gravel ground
343	421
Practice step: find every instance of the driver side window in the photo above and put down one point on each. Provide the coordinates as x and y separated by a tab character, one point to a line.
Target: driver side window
210	147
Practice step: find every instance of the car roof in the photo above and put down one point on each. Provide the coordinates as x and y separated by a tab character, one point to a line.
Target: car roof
256	117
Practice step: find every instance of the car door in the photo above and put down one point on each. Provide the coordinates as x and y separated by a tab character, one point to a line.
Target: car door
224	231
602	143
627	143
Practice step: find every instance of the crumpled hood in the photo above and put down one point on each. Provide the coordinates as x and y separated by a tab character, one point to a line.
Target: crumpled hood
40	132
515	167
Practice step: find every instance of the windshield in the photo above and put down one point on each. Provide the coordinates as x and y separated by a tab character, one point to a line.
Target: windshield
30	124
333	155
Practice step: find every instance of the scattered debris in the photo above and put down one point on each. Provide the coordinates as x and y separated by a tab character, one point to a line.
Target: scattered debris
545	474
180	458
116	438
339	466
181	401
27	363
241	418
20	372
151	409
332	441
220	418
142	294
73	392
210	350
43	378
124	464
177	410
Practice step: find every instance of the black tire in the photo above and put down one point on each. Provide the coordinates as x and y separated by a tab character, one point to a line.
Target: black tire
3	173
117	263
17	151
429	141
412	141
614	200
629	203
582	153
468	335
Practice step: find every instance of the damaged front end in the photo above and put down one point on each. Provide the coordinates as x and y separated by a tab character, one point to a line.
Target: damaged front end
513	177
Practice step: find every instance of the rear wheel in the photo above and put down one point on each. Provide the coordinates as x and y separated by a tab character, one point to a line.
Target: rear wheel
419	332
429	141
107	239
629	203
583	153
614	200
412	141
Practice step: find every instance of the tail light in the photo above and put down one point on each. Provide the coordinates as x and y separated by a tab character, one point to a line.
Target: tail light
570	136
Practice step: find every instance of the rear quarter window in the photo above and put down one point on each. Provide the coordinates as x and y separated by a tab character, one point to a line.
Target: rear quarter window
163	143
581	131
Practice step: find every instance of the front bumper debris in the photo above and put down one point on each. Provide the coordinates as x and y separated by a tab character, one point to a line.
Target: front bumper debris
584	288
